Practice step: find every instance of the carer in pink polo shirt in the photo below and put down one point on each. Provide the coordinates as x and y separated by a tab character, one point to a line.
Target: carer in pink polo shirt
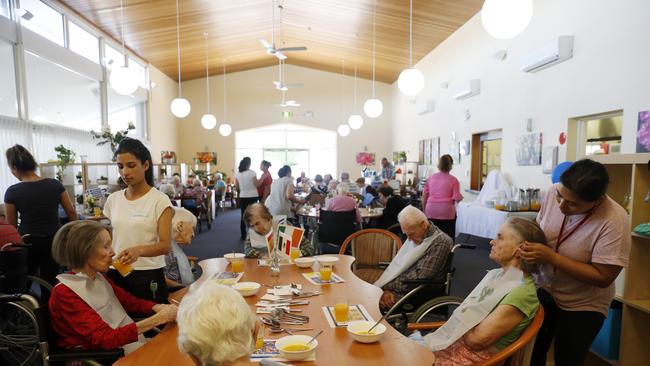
588	244
441	192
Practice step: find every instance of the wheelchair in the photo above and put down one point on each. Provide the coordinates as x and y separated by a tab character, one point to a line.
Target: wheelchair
26	336
428	300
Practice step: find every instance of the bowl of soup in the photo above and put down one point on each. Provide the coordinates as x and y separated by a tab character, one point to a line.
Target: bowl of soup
232	256
359	331
247	288
295	348
304	262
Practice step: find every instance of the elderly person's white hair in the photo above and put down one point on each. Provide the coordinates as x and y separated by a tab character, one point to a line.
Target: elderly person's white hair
182	215
215	324
411	216
218	176
343	189
176	179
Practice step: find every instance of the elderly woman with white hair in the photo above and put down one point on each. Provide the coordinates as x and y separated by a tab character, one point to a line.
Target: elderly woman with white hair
178	271
422	257
216	327
88	311
343	202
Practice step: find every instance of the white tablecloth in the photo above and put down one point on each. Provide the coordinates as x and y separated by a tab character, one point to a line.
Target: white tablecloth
482	221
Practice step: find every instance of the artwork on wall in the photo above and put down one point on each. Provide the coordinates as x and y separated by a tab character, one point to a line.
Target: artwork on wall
529	149
464	147
428	147
399	157
365	158
454	151
421	152
435	150
206	157
168	157
549	159
643	133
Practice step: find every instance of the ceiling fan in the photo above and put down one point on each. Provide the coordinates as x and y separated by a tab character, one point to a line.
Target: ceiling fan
287	103
270	47
280	85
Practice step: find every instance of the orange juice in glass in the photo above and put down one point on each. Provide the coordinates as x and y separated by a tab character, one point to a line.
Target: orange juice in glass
341	310
259	341
124	269
326	273
295	253
237	265
97	211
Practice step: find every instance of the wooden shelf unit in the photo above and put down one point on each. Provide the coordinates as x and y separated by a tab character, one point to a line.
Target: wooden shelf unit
629	176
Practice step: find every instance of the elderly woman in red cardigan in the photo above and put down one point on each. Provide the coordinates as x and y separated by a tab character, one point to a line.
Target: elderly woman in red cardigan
88	310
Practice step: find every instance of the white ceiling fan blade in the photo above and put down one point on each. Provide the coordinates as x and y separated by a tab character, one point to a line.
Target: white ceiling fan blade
295	85
280	55
292	49
266	44
277	83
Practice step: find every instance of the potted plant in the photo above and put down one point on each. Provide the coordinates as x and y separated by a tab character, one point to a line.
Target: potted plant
107	137
64	157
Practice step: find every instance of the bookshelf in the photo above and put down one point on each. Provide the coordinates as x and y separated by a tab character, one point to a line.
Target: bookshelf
630	182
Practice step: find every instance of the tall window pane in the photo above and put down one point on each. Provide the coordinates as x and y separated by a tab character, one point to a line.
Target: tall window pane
8	101
59	96
124	110
141	71
42	19
83	43
4	8
113	57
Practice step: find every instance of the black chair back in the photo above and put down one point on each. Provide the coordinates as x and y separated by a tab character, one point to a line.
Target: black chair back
13	270
335	227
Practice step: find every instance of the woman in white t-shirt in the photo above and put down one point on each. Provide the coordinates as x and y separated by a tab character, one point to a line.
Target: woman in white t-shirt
141	218
247	183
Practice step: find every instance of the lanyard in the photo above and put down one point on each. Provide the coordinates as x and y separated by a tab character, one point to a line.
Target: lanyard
561	239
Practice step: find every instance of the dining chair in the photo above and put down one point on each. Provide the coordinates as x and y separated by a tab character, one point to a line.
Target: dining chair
373	249
333	228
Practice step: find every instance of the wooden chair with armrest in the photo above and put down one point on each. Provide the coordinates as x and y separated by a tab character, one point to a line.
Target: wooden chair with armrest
518	353
373	250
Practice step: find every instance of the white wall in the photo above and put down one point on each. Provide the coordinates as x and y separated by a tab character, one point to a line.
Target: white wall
163	126
251	96
609	71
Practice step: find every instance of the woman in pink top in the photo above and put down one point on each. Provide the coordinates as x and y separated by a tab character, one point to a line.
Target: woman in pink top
441	192
264	189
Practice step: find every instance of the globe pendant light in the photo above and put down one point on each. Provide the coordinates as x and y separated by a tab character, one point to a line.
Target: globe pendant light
411	80
208	121
180	106
505	19
355	121
373	107
343	130
122	79
224	129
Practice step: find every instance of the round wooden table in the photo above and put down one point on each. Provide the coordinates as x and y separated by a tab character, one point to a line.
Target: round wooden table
335	346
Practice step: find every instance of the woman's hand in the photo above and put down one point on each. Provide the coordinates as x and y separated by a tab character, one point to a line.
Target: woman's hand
537	253
387	299
166	313
129	256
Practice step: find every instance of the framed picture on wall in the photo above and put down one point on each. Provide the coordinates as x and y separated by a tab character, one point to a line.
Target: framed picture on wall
206	157
549	159
454	151
643	133
435	150
168	157
428	147
421	152
529	149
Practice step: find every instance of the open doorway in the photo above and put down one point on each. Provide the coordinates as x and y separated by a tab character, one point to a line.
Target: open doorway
598	134
486	156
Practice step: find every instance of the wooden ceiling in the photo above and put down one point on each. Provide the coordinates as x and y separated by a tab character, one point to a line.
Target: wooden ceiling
332	30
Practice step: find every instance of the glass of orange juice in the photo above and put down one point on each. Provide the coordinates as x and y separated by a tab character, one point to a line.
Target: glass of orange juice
259	341
124	269
341	310
97	211
237	265
326	273
295	253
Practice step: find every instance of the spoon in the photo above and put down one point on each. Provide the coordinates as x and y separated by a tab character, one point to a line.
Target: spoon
377	323
314	337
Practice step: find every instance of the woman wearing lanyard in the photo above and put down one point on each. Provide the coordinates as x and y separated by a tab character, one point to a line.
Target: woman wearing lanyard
588	245
141	218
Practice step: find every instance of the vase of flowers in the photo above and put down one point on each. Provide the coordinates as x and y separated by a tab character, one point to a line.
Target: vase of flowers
107	137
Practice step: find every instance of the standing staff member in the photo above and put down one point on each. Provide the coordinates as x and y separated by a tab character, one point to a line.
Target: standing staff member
37	201
440	195
247	183
588	245
141	217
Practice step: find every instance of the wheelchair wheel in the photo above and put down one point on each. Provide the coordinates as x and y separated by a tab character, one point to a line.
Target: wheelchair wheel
18	334
438	309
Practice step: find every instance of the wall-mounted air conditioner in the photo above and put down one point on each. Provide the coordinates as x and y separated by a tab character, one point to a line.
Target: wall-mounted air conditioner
425	106
551	54
466	89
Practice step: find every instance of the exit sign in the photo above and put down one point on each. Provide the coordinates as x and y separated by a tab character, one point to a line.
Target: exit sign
287	114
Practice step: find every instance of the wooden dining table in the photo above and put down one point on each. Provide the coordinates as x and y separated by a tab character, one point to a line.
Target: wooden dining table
335	346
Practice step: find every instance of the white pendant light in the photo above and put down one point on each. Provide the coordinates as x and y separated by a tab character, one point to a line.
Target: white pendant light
505	19
373	107
411	80
224	129
180	106
343	130
122	79
355	121
208	121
